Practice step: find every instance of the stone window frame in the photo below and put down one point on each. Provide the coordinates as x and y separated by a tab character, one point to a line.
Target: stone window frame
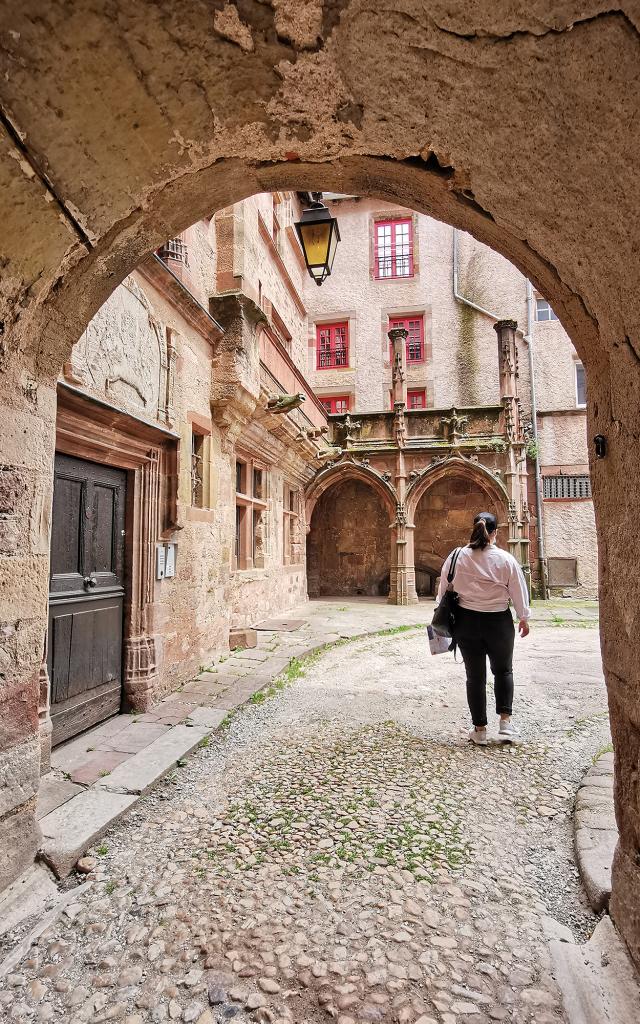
332	401
428	390
403	321
291	509
201	427
580	384
407	311
332	326
388	217
247	552
543	305
412	393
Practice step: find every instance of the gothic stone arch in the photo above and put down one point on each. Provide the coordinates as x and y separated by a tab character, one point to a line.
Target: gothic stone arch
350	514
180	111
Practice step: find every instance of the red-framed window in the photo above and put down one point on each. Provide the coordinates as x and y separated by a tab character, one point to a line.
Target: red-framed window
393	244
416	398
332	346
414	326
336	404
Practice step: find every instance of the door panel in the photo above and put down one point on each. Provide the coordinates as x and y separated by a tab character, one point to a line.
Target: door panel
86	595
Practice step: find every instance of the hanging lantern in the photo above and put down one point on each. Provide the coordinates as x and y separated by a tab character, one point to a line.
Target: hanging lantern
319	236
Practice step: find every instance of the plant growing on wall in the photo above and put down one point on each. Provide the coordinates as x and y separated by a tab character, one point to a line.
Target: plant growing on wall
532	449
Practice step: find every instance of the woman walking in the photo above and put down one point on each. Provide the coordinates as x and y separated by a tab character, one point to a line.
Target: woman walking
486	577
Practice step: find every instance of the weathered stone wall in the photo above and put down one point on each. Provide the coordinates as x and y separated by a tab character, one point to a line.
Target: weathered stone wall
461	366
451	109
348	547
570	532
444	519
28	425
118	358
267	268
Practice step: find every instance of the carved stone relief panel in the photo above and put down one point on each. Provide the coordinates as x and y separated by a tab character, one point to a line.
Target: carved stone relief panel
122	356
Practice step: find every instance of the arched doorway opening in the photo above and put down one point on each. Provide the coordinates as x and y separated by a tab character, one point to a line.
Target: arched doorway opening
348	548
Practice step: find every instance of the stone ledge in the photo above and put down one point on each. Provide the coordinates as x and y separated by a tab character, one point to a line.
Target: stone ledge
75	825
598	980
143	770
595	831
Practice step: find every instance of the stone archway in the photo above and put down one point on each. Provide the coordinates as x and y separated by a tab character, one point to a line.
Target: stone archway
164	115
350	512
348	548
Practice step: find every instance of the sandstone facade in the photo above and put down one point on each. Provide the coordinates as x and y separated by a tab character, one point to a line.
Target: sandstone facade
459	364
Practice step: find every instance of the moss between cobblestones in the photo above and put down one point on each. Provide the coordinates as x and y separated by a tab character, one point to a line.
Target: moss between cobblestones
375	796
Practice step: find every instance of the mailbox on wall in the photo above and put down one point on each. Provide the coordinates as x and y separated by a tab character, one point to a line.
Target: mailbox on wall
169	561
160	562
165	561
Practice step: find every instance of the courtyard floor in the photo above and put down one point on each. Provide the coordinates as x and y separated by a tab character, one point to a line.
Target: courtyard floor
339	850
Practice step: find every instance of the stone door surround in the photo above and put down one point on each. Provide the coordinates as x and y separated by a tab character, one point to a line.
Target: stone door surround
89	428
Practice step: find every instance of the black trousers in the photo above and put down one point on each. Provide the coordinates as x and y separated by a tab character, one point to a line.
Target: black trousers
482	635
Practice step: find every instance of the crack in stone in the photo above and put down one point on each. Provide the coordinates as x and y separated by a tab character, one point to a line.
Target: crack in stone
548	30
16	138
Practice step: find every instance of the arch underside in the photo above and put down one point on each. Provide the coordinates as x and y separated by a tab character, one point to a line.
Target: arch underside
105	156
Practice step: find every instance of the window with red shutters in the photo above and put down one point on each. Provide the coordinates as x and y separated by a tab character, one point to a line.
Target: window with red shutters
332	346
393	244
335	405
417	399
414	326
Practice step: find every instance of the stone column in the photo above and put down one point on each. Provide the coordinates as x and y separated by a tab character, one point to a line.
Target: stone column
398	339
27	426
515	471
402	588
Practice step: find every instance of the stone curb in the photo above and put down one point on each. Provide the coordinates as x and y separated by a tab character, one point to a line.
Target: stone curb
72	828
598	980
596	832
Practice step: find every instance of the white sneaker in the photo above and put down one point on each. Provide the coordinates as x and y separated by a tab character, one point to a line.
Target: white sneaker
507	732
478	736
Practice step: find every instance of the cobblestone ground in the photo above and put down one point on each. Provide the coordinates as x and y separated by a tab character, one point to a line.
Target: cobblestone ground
343	852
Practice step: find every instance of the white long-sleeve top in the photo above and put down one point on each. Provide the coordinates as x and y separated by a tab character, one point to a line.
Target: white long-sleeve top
485	580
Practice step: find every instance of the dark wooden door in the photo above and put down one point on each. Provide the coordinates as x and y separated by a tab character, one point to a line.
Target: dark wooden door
85	595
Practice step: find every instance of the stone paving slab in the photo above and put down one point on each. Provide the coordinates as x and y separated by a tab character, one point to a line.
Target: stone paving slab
53	792
210	718
134	738
596	832
102	762
151	764
72	828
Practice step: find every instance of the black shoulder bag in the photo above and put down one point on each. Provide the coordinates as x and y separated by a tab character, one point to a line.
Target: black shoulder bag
444	617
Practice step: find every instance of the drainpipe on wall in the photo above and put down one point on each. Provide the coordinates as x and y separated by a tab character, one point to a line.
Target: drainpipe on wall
462	298
528	338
